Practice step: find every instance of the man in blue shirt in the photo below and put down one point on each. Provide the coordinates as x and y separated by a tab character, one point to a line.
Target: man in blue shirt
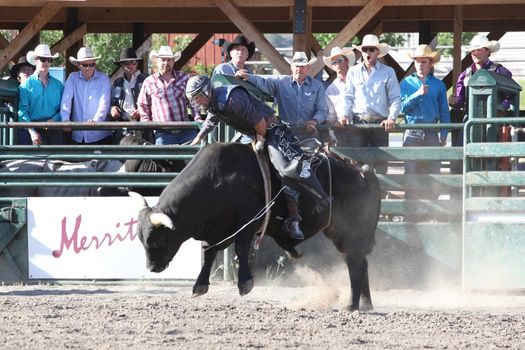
40	96
301	100
239	51
87	97
424	100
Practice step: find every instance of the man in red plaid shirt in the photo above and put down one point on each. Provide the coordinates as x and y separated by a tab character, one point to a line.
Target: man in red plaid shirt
162	99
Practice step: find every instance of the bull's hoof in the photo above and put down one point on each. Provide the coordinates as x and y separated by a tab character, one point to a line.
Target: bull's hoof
353	308
199	290
246	287
366	306
293	253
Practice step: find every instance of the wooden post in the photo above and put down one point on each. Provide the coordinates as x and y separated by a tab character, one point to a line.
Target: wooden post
458	31
71	26
302	27
47	12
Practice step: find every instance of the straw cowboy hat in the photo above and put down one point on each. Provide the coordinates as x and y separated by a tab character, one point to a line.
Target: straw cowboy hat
240	40
83	55
41	50
15	68
373	40
480	41
165	52
337	51
425	51
300	59
127	55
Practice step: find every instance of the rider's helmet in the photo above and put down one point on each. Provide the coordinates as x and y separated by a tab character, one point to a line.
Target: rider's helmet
198	85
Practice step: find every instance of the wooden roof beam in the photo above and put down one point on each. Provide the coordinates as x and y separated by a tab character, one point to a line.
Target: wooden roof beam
30	30
349	31
248	29
70	39
196	44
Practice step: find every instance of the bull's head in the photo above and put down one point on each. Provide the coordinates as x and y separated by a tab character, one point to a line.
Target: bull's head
157	234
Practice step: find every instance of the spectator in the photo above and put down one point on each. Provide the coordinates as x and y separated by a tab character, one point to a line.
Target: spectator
371	97
19	73
301	100
239	51
40	97
340	60
86	98
21	70
235	106
480	49
424	100
162	99
125	93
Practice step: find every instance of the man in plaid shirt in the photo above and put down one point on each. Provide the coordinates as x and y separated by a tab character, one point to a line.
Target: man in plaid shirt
162	99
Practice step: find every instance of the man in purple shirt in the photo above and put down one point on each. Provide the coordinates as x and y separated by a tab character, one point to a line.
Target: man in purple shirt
87	95
480	49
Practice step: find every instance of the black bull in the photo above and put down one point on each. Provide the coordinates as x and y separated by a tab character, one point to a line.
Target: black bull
221	190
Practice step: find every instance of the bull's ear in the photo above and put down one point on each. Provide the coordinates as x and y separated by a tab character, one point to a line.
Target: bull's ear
141	201
158	219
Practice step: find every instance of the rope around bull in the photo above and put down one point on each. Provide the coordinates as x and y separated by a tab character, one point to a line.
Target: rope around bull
270	204
257	216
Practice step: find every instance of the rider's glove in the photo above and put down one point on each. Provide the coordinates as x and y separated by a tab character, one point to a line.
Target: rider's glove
259	145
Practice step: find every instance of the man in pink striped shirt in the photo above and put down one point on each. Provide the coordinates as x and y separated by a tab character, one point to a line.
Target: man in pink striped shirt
162	99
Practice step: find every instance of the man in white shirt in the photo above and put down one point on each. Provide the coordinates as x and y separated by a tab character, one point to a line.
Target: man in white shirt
340	60
372	96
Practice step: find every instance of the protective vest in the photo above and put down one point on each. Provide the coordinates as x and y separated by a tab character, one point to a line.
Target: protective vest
118	94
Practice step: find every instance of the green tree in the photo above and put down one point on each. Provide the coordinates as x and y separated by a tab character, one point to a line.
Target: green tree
447	39
108	47
391	39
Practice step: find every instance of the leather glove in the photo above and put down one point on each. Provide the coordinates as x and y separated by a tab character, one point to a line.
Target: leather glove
259	145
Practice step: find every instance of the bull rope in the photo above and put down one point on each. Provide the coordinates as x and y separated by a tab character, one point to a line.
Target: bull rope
257	216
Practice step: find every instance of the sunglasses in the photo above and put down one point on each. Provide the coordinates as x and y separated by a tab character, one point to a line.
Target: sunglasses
339	60
44	59
127	63
368	49
88	65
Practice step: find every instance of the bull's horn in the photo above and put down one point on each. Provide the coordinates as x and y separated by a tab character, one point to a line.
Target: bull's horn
141	200
158	219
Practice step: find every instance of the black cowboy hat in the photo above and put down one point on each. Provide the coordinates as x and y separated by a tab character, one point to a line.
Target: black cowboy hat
240	40
127	54
22	61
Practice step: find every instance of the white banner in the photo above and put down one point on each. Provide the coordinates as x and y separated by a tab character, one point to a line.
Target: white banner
95	238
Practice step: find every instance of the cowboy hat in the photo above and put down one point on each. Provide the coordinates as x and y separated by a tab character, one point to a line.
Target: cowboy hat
372	40
425	51
240	40
479	41
41	50
300	59
337	51
15	68
127	55
165	52
83	55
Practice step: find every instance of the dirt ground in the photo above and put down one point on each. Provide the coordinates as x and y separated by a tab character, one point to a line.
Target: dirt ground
147	315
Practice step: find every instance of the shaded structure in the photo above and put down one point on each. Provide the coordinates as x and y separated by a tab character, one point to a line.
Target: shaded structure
348	18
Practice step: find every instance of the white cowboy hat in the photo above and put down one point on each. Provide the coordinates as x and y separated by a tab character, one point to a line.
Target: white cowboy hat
41	50
425	51
337	51
480	41
300	59
373	40
165	52
84	54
